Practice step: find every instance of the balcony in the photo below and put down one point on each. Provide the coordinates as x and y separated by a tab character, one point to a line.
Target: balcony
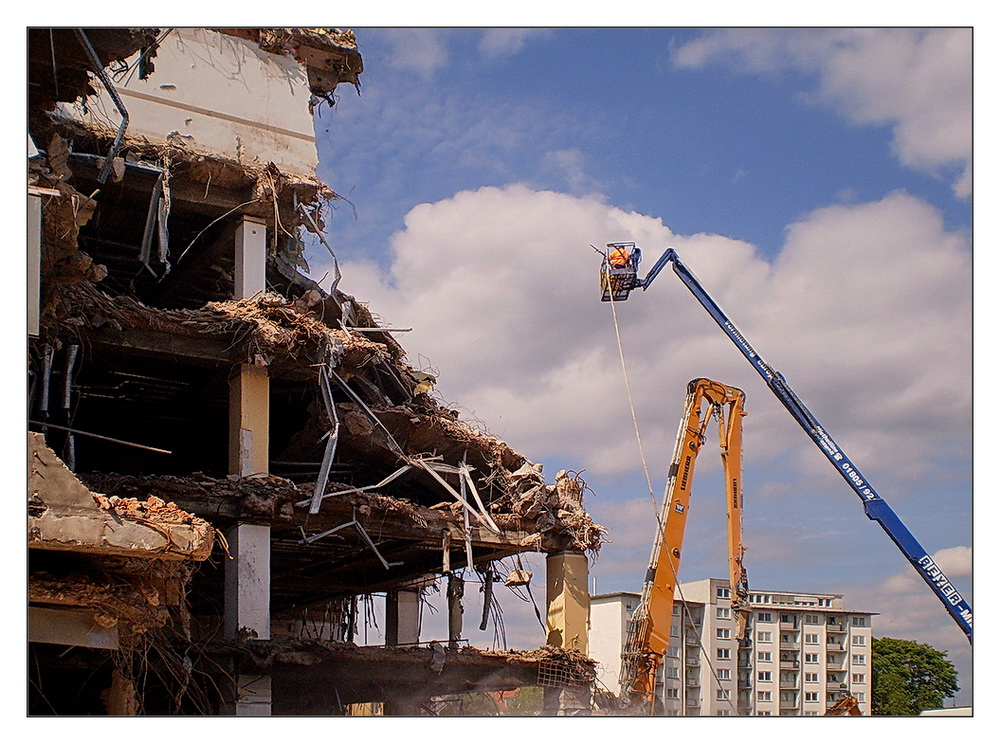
790	645
788	684
789	664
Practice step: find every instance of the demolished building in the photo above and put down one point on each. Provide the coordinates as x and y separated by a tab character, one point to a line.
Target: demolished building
226	461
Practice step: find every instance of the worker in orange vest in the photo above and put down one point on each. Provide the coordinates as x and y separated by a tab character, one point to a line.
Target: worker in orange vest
619	257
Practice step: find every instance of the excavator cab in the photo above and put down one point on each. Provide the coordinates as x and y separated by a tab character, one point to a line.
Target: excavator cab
619	271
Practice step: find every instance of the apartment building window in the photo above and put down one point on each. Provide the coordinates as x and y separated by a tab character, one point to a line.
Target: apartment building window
722	592
724	673
722	653
858	641
763	712
859	696
673	652
788	618
812	637
812	697
723	634
723	712
857	658
763	676
812	677
812	659
672	692
671	672
859	622
763	696
722	694
812	619
858	678
764	636
763	656
723	613
764	617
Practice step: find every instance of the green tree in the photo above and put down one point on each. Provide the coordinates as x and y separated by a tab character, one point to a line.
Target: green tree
909	677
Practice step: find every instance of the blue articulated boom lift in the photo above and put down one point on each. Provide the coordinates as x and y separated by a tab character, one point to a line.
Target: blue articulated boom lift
619	276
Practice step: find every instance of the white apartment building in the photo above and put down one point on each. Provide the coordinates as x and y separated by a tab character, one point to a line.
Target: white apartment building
805	651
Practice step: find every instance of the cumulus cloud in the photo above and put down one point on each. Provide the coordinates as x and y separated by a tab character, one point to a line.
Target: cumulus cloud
918	81
866	311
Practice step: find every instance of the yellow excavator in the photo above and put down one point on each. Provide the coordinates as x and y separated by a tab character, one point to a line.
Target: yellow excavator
846	706
648	632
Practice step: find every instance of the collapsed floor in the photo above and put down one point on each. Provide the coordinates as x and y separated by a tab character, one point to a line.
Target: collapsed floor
368	482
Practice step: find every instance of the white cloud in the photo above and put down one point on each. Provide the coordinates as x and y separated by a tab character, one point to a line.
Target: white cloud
909	610
919	81
502	42
570	165
423	50
866	311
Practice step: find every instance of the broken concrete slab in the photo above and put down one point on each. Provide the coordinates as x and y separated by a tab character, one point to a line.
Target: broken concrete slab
64	514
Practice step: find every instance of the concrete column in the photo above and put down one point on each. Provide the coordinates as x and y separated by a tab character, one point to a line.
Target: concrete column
248	574
402	617
251	258
567	601
249	420
34	263
402	626
248	582
456	590
120	699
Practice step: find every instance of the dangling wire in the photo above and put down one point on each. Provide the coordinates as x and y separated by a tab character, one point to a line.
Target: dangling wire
631	402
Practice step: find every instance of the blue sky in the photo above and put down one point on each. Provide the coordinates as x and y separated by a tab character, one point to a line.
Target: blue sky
817	181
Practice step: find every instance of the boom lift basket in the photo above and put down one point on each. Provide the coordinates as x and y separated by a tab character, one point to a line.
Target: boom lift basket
619	271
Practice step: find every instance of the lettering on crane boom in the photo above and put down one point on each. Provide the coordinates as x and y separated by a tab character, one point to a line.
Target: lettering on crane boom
827	443
686	473
938	579
742	341
855	477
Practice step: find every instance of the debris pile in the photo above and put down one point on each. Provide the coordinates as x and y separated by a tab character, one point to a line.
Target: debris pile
556	509
162	516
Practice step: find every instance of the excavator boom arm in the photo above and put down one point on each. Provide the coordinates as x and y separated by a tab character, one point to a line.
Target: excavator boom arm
648	635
